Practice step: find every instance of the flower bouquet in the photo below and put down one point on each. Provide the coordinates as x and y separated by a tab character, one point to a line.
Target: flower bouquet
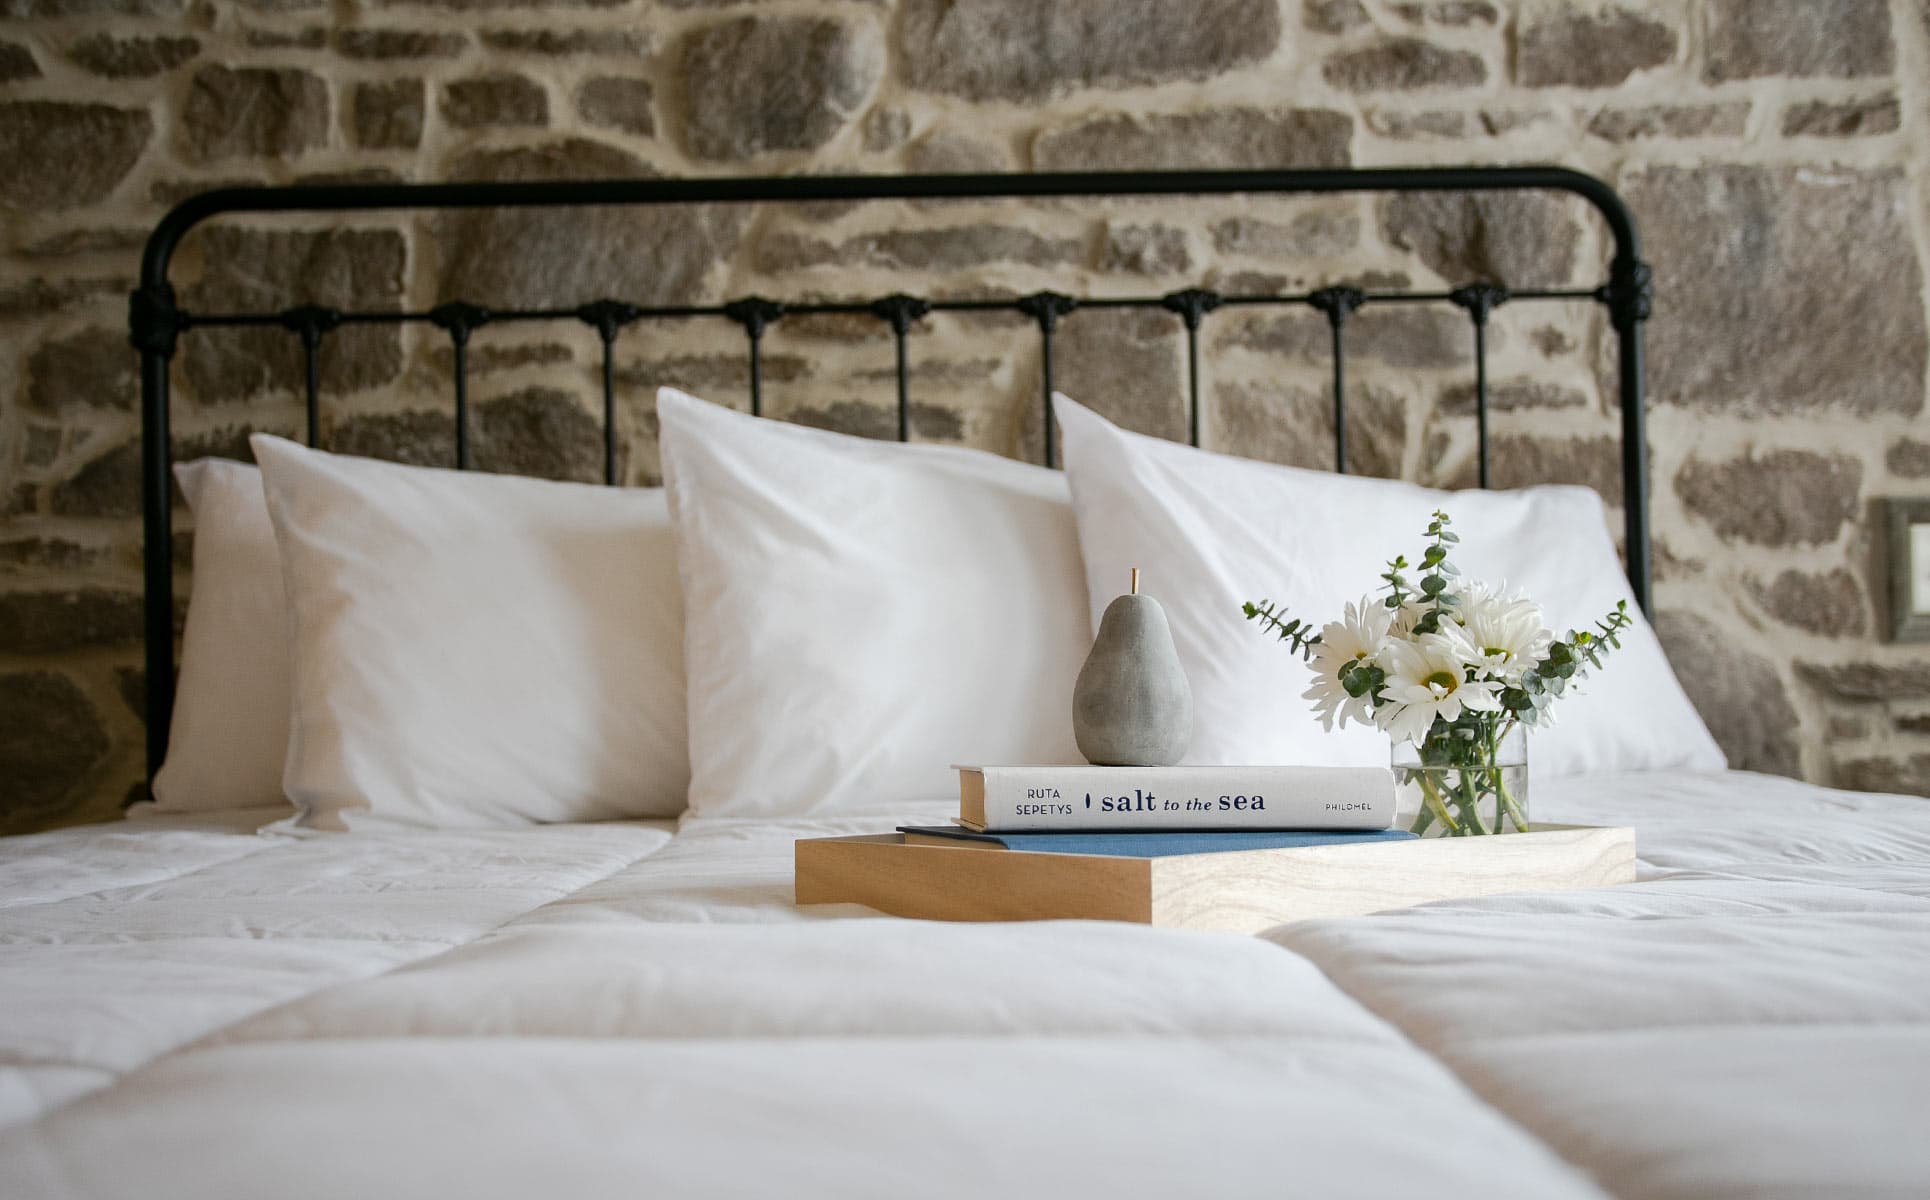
1454	672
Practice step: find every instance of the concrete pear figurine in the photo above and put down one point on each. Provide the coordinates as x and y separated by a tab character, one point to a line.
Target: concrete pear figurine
1132	706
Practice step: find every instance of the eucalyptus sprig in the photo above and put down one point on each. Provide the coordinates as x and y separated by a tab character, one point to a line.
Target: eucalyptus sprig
1567	660
1299	635
1434	584
1396	582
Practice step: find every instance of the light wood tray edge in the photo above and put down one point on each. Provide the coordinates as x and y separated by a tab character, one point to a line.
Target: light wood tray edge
1242	890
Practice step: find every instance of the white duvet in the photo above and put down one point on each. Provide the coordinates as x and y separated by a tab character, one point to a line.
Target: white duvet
637	1010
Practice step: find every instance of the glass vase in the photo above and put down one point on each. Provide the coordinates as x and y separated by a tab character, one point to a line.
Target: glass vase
1464	780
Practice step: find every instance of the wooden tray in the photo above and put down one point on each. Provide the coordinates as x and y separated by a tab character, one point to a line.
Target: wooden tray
1242	891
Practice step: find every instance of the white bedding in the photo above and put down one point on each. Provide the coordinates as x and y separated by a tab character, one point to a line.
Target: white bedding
622	1010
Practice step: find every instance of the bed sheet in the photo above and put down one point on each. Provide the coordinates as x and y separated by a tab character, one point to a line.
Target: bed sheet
603	1010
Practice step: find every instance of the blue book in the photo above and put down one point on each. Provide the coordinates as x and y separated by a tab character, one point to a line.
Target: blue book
1155	844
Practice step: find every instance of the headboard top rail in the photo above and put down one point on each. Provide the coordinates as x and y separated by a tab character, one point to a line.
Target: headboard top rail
793	189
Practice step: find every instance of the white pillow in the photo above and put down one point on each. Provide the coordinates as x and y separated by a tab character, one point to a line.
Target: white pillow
229	733
475	650
1210	531
861	614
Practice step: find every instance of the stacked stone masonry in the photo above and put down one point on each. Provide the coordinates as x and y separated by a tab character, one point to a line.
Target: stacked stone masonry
1766	145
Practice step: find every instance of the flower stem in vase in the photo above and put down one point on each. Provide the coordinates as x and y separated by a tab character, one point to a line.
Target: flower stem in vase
1470	802
1422	820
1434	804
1508	804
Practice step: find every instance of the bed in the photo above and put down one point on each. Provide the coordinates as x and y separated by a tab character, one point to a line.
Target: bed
635	1006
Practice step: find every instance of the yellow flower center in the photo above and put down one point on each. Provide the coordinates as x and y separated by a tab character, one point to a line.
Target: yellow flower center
1496	652
1444	680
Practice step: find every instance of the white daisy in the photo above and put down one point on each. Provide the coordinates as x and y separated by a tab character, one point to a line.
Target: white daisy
1505	629
1428	678
1408	615
1357	637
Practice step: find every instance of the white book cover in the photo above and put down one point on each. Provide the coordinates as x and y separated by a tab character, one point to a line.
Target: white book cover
1021	799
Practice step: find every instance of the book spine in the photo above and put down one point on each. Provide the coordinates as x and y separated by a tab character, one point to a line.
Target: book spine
1198	798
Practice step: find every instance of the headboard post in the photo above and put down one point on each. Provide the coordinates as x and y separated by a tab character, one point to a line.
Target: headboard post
154	326
1630	294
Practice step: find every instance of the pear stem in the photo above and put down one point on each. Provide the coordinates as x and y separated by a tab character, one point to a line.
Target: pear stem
1135	586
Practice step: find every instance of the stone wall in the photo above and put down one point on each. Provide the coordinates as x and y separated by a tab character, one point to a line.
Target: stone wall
1765	145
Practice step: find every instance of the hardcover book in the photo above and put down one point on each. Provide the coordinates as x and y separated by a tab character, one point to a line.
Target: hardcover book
1116	799
1156	843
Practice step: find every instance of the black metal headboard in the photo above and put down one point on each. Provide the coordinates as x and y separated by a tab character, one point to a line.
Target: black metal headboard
156	322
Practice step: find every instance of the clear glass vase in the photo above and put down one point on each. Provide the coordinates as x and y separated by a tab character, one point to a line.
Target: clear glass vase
1465	779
